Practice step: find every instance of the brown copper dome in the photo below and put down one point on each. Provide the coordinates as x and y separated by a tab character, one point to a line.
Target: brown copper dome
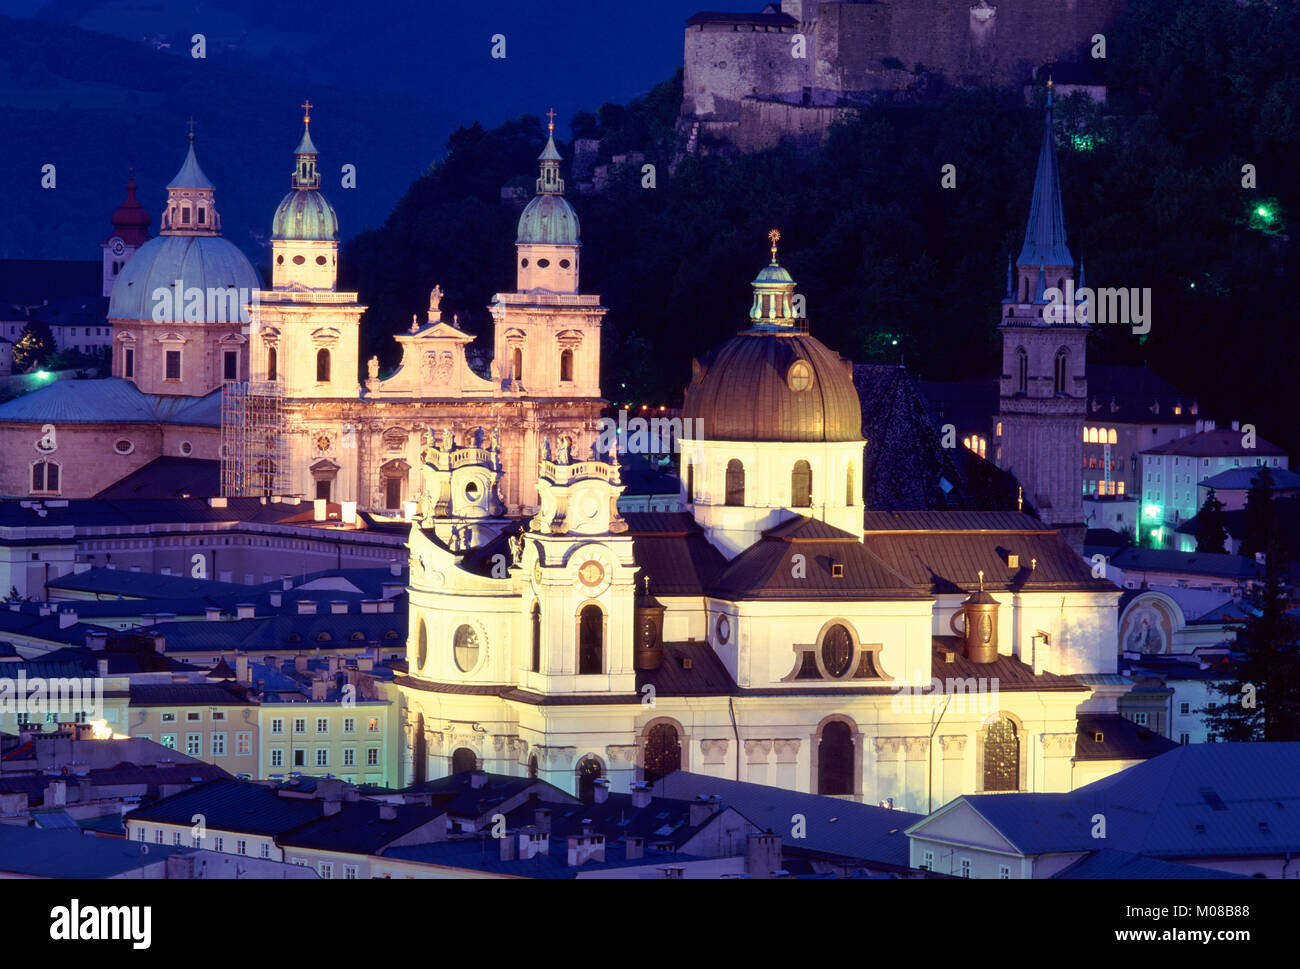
763	385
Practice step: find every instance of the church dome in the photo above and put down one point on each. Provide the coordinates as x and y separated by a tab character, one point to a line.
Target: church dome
209	263
131	220
763	385
305	214
550	220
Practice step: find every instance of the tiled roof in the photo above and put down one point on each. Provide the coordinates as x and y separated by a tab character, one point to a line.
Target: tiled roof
671	549
706	675
230	805
476	854
1234	479
1137	559
758	19
1221	442
168	477
1109	863
68	854
358	827
1139	394
186	694
1122	739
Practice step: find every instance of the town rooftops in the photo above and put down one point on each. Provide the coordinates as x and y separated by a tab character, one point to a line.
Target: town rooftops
1109	863
36	853
1219	443
1135	559
232	805
169	476
1241	479
1109	736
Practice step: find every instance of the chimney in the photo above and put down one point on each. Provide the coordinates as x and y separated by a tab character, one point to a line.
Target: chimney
244	610
703	808
67	617
365	664
212	613
349	513
542	820
385	605
320	509
331	806
635	847
338	607
286	582
56	794
507	846
391	589
600	790
277	598
97	640
306	607
387	812
395	567
319	689
534	842
478	779
160	644
640	794
101	667
584	848
300	662
763	855
369	606
241	669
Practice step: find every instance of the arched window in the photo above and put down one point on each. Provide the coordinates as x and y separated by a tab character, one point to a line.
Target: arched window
463	759
1062	366
1112	437
517	364
537	637
835	759
663	751
591	646
45	477
837	650
1024	290
587	771
420	751
1002	757
801	485
322	366
848	487
566	365
735	483
422	646
690	483
270	364
532	766
1022	371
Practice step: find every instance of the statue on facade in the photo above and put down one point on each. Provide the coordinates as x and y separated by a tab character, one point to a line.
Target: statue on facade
448	442
372	368
563	449
516	543
415	323
435	302
496	439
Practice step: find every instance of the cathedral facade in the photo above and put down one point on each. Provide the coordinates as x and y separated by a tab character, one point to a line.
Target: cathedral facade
775	632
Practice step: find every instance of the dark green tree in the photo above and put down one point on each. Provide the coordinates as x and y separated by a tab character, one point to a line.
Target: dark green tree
1211	534
1261	697
1261	517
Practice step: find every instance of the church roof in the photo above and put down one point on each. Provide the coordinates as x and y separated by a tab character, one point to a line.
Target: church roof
111	400
207	263
190	175
671	549
1045	232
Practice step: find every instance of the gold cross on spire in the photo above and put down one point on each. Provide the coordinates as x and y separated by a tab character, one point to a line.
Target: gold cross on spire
550	121
191	124
775	236
306	112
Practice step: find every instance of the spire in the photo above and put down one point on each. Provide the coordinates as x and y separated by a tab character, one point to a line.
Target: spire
549	182
773	294
1045	232
131	220
1011	281
191	208
305	175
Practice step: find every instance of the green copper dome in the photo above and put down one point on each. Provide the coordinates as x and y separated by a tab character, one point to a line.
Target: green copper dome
549	219
304	214
208	263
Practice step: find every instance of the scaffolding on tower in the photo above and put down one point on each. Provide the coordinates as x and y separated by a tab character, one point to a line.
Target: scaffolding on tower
254	452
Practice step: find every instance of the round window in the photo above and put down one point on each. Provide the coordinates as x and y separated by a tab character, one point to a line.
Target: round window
724	629
320	260
123	446
472	491
799	376
543	263
465	648
837	651
186	448
298	260
564	264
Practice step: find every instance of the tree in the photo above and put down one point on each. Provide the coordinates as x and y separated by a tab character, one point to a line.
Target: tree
1211	535
1261	518
34	347
1262	697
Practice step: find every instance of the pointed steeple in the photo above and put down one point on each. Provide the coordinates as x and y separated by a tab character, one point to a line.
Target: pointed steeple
191	207
1045	232
305	175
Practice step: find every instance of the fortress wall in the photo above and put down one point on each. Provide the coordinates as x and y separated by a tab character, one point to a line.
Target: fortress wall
723	65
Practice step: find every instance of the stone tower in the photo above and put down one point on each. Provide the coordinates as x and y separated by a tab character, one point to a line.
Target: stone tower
1043	388
130	232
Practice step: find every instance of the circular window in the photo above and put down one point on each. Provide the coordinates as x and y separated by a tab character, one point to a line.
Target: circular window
465	648
837	651
524	263
724	629
279	260
799	376
564	264
298	260
472	491
543	263
186	448
320	260
123	446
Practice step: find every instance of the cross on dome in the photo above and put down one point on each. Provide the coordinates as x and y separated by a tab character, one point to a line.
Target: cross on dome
775	236
306	112
550	119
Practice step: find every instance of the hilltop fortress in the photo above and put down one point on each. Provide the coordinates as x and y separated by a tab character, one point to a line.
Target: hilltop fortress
752	79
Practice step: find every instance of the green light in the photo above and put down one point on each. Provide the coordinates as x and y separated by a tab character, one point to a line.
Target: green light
1152	511
42	375
1263	212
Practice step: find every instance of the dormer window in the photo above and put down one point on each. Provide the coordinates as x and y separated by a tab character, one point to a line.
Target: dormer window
202	215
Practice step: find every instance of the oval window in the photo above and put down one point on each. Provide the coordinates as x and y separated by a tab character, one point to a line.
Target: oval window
298	260
564	264
465	648
422	646
543	263
186	448
123	446
472	491
524	263
320	260
837	651
279	260
724	629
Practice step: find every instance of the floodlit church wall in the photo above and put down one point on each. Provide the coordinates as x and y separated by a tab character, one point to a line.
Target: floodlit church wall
1083	628
87	456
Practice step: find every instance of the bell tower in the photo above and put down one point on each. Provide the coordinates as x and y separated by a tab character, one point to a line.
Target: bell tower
1043	389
